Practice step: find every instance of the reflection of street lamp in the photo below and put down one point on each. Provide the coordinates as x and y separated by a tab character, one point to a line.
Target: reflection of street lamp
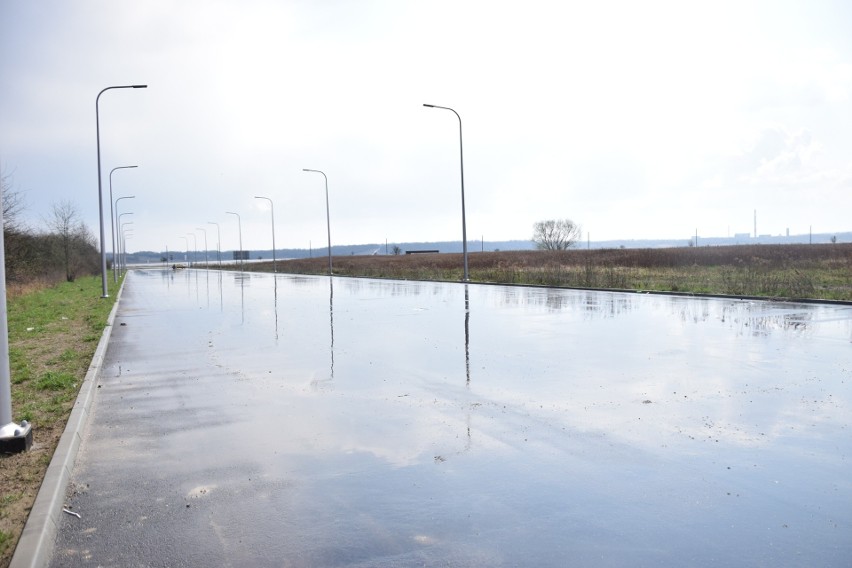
115	241
271	210
100	192
206	263
112	219
240	228
218	242
461	156
327	215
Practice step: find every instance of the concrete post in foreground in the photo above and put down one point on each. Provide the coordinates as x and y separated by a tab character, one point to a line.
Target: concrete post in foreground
14	437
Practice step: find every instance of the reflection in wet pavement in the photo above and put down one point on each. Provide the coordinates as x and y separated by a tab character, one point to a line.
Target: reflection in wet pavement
309	421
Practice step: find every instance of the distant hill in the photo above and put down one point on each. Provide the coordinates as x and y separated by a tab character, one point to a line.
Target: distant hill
150	257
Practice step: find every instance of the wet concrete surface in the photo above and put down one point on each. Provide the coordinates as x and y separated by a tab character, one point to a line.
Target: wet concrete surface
306	421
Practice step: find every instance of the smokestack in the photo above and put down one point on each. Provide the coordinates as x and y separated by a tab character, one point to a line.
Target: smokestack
755	223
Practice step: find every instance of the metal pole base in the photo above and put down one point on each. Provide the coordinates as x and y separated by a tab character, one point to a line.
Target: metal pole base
16	438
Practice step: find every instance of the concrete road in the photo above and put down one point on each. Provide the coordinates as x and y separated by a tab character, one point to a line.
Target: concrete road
307	421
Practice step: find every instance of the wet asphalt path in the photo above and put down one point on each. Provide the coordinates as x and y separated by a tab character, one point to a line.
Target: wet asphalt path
308	421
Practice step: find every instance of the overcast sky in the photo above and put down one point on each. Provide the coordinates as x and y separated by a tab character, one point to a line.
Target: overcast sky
634	119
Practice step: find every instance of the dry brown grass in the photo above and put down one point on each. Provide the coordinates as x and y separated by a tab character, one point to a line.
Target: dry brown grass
17	289
780	271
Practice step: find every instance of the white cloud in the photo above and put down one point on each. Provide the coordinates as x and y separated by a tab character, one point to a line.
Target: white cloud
633	119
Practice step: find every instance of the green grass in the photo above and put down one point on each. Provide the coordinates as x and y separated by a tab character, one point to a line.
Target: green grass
53	335
56	381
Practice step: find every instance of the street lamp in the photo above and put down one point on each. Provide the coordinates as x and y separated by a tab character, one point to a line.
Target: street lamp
240	228
271	210
461	156
186	256
206	262
195	243
127	234
112	218
114	231
218	242
118	221
105	293
123	236
327	215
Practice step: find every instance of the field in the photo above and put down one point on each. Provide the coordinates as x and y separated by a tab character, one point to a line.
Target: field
774	271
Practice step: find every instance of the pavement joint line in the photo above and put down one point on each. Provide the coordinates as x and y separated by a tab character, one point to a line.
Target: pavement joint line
35	547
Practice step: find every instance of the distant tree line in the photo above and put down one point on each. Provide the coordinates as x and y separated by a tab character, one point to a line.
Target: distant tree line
63	249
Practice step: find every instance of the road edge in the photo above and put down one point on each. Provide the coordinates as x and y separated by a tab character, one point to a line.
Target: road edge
35	546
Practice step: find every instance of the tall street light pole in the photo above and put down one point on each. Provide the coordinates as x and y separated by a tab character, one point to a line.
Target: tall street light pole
114	230
218	242
240	229
327	214
271	210
461	156
112	218
105	291
206	262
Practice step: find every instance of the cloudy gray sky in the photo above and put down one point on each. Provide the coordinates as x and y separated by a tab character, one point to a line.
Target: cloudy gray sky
635	119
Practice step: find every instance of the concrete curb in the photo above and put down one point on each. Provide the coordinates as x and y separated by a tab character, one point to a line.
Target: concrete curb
35	547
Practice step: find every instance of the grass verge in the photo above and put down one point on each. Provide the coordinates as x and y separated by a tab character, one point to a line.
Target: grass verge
53	334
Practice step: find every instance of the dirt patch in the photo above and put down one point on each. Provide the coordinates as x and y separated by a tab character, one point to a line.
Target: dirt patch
21	476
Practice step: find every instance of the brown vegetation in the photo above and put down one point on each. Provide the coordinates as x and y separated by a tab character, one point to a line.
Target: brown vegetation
35	258
783	271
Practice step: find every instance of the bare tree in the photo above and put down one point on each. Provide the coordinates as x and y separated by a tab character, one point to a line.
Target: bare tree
21	249
13	203
555	234
74	238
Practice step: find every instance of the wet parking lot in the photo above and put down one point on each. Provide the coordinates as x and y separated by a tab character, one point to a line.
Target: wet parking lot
255	420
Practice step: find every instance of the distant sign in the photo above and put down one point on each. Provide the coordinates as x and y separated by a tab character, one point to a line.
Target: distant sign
241	255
